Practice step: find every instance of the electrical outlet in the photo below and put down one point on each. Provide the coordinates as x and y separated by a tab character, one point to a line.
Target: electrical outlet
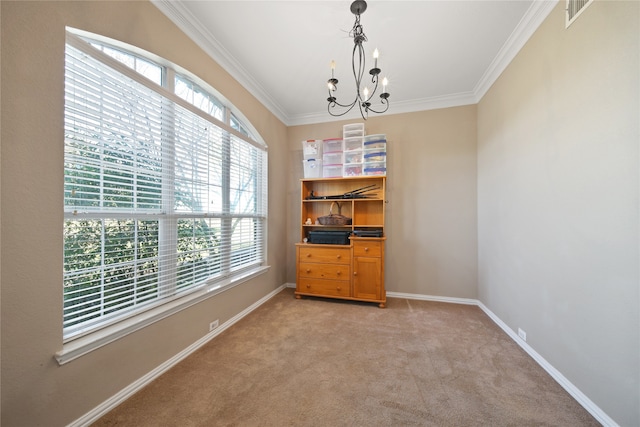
213	325
522	334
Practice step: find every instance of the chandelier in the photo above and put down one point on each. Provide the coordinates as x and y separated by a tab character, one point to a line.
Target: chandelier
364	96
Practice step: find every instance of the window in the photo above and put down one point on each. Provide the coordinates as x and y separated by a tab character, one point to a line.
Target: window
195	95
164	188
141	65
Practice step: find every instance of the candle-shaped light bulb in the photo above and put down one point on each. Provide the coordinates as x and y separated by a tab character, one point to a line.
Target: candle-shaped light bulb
333	67
385	82
375	57
366	93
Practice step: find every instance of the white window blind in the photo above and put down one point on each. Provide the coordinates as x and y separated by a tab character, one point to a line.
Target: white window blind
160	198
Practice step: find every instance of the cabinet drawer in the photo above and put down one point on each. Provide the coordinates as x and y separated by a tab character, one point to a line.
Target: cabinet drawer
368	248
324	271
324	287
325	255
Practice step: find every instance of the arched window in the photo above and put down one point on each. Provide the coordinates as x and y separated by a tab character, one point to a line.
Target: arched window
165	188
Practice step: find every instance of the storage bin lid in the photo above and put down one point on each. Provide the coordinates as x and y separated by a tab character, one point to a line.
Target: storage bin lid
375	137
373	141
353	126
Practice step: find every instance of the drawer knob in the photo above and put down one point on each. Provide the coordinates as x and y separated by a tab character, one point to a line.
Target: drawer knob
308	286
355	273
339	256
308	255
308	270
338	273
339	288
366	249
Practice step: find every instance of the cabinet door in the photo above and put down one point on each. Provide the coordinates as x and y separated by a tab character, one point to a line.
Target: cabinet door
367	277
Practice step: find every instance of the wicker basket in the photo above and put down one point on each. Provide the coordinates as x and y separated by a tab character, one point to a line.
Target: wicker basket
334	219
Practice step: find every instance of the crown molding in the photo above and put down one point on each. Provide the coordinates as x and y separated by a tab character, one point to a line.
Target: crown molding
411	106
190	25
535	15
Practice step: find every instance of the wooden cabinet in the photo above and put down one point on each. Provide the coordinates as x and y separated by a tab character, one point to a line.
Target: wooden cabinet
368	272
353	271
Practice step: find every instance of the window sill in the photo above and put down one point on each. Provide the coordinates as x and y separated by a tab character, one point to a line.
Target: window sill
86	344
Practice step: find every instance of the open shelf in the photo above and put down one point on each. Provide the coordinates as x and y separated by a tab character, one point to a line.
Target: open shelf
366	213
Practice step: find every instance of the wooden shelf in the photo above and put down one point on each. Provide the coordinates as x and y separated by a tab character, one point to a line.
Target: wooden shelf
327	226
368	199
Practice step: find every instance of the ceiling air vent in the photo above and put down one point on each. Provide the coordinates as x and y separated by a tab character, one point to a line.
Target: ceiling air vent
575	8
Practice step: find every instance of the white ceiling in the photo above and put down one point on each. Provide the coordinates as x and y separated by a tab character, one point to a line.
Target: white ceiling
435	54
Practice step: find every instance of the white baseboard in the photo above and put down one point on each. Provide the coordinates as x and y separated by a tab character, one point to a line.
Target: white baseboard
579	396
452	300
93	415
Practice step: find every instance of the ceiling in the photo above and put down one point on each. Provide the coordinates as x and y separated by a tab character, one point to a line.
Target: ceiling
436	54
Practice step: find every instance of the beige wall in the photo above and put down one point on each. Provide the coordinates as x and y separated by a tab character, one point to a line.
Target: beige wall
558	138
431	246
35	390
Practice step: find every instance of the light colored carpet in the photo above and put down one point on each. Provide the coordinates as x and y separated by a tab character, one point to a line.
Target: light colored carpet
318	362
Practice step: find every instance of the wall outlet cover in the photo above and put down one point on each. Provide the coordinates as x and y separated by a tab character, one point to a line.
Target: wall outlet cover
522	334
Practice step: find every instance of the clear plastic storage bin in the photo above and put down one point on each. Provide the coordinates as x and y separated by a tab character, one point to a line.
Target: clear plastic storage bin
354	129
354	156
353	143
379	168
380	148
312	149
332	171
312	168
376	137
379	145
334	158
352	170
332	145
375	156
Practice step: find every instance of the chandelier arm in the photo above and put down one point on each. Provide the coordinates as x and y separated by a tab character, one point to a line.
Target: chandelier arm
384	102
366	110
340	114
358	75
349	106
375	88
333	101
375	80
